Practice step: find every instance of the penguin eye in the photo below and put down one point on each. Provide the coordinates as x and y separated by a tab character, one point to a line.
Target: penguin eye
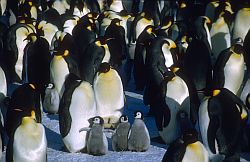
50	85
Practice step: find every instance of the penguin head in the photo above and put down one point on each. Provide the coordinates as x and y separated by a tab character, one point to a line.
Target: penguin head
237	47
92	15
97	120
168	75
28	119
104	67
32	37
150	30
166	22
138	115
124	119
50	86
116	22
190	136
170	43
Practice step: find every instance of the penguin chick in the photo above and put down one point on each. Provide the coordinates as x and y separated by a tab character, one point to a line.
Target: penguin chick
97	141
120	137
51	99
139	139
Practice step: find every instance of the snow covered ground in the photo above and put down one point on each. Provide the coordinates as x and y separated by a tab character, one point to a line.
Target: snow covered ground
155	153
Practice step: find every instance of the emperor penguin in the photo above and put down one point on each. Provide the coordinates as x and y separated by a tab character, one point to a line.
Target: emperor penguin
176	99
15	43
28	9
76	107
229	69
220	113
61	65
51	99
139	139
220	33
115	5
120	137
241	23
186	148
24	100
28	143
109	95
97	141
210	9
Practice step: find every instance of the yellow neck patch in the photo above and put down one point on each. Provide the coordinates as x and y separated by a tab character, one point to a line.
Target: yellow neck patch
216	92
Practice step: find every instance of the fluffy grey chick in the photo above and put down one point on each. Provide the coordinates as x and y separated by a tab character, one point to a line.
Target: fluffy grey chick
139	139
51	99
97	143
120	137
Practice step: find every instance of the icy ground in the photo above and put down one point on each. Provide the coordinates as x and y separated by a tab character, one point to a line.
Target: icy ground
155	153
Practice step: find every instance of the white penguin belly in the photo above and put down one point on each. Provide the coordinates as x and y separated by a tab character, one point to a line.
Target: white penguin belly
234	73
30	146
116	6
177	90
49	32
107	54
59	70
195	152
3	85
242	24
109	94
168	56
81	109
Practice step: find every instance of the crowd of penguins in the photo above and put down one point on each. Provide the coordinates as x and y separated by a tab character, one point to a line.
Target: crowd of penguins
75	58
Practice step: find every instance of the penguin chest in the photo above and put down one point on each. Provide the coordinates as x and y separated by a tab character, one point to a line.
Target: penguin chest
108	93
30	145
234	72
21	35
59	70
49	32
241	24
51	101
116	6
177	90
195	152
3	85
106	54
81	109
168	56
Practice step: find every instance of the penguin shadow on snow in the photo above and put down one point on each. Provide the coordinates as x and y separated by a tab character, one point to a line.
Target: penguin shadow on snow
54	140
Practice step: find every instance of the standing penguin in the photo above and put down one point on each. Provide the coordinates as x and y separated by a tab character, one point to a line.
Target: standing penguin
219	114
139	139
97	141
76	107
187	147
28	142
109	95
51	99
120	137
229	68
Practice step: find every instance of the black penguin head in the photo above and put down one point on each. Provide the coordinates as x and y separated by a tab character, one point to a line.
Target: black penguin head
138	115
171	44
237	47
167	22
190	136
104	67
168	75
32	37
206	20
116	22
123	119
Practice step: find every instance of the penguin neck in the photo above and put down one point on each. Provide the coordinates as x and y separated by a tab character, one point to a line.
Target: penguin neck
29	124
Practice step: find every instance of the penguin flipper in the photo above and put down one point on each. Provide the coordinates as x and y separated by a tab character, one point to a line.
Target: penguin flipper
211	133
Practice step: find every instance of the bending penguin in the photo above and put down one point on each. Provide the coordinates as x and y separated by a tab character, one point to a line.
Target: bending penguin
120	137
97	141
76	107
109	95
139	139
28	143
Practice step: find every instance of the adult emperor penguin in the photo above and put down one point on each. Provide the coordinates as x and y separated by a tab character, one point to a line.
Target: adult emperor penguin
120	137
24	100
61	65
76	107
97	141
28	143
51	99
220	32
219	114
241	23
109	95
139	139
187	147
229	69
142	45
15	43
